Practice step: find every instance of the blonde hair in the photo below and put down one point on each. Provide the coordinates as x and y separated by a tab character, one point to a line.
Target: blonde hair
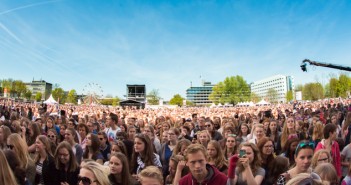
316	156
151	172
7	176
100	172
285	133
318	131
20	148
305	178
327	172
46	142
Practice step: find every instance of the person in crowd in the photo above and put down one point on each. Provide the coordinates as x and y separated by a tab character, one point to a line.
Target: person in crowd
227	130
244	131
122	136
112	129
346	159
65	169
216	157
33	133
50	124
14	163
306	178
347	179
150	132
274	134
278	166
92	150
230	147
6	174
4	134
303	160
119	170
93	173
320	157
331	146
52	135
185	132
288	132
173	164
181	147
62	133
289	150
151	175
317	135
83	131
200	172
249	170
203	137
19	146
167	149
117	146
131	132
215	135
266	148
143	154
259	134
327	173
43	158
105	147
70	135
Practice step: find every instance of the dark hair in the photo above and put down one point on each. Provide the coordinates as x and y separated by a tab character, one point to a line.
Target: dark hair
327	129
82	125
304	145
147	156
278	166
14	163
114	117
94	149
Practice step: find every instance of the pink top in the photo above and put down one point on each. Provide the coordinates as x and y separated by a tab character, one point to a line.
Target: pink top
335	153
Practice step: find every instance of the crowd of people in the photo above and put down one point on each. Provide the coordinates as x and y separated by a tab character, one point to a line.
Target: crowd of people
293	143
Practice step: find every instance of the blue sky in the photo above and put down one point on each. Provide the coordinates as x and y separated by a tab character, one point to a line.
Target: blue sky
169	44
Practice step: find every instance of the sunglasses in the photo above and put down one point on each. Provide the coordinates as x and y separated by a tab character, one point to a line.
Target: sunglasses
85	180
207	125
304	144
51	136
10	147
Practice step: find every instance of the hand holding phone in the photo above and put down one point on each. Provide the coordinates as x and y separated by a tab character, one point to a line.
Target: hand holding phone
242	153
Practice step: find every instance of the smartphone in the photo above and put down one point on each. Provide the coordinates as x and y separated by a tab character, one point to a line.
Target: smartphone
242	153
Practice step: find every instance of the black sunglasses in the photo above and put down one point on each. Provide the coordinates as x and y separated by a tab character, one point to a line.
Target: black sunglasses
84	180
10	147
51	136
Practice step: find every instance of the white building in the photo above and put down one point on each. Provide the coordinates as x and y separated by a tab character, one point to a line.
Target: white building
282	84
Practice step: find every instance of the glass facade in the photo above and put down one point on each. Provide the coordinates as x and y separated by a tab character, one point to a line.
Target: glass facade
199	95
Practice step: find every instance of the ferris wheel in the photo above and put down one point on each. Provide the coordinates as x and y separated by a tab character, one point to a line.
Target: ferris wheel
92	92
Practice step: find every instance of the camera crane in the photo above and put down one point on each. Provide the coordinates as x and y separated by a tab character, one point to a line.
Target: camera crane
304	65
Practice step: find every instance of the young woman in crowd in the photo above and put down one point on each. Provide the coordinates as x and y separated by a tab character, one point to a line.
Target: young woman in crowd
52	135
181	147
4	134
151	175
150	132
288	132
317	135
289	150
215	135
65	169
203	137
303	160
143	154
320	157
131	132
249	170
19	146
62	133
266	148
227	130
6	174
43	158
119	170
92	150
278	166
244	131
70	135
33	133
230	147
167	149
93	172
274	134
18	171
50	124
216	157
173	164
327	173
83	131
259	134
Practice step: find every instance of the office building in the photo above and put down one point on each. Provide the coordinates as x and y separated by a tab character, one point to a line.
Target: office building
199	95
41	86
280	83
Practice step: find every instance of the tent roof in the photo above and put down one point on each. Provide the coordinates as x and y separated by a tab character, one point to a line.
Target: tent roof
50	100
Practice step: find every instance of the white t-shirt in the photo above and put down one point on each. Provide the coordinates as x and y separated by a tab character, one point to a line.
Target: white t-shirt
111	134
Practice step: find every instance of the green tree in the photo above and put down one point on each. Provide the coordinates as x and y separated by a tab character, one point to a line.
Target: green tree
232	90
38	96
116	101
333	87
153	97
176	100
58	94
72	96
272	95
28	94
344	85
289	96
254	97
313	91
